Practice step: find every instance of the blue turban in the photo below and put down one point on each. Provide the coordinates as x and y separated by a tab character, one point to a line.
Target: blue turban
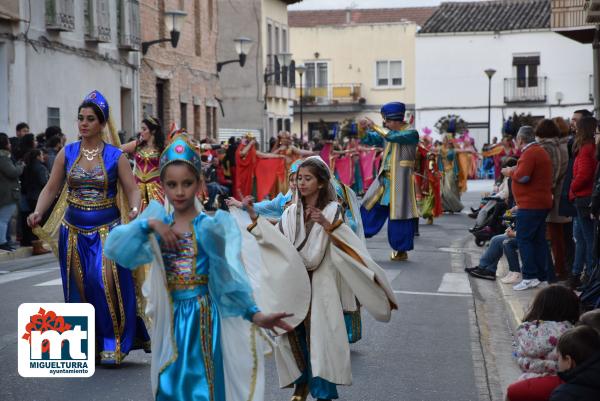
393	111
99	100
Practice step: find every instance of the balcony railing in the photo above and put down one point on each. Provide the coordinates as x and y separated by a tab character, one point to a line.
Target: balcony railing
525	90
331	94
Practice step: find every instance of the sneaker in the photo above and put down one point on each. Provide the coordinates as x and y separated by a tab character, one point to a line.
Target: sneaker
470	269
511	278
6	247
483	273
526	284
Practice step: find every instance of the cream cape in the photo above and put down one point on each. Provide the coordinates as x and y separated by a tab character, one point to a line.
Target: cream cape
339	256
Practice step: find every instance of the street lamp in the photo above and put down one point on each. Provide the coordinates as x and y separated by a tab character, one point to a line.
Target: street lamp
242	48
301	69
490	73
174	23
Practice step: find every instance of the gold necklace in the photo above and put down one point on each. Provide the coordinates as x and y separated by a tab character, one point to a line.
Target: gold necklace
90	154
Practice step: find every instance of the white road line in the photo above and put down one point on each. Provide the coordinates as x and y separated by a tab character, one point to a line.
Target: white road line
455	283
57	281
437	294
7	278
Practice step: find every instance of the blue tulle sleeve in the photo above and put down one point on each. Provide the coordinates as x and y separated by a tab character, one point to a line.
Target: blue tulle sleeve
272	209
128	244
227	279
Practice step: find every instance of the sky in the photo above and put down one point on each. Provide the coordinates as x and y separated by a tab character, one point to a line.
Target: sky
328	4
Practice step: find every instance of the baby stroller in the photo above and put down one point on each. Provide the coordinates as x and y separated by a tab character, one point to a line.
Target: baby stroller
489	221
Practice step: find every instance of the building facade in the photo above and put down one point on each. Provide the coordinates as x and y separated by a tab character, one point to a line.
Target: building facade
180	84
256	97
356	60
537	71
54	53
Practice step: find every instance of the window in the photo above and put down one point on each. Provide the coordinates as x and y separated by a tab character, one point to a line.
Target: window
526	70
388	73
53	116
211	122
277	40
197	28
183	115
60	15
269	47
97	20
128	24
316	74
284	40
196	121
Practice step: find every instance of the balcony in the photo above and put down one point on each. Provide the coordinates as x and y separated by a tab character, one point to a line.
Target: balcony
525	90
334	98
571	18
280	81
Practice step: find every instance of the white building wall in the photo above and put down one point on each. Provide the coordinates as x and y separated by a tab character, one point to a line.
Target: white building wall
450	76
43	77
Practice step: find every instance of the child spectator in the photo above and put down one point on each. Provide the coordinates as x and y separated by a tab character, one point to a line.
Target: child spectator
578	365
554	311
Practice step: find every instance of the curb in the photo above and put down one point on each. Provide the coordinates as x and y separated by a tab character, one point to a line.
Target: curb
516	302
19	253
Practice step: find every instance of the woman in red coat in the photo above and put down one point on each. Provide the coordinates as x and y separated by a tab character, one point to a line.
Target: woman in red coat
580	193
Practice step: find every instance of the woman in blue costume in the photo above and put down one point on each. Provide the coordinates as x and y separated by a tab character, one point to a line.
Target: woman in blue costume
196	284
92	169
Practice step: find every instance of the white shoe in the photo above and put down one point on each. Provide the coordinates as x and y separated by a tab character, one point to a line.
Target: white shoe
526	284
511	278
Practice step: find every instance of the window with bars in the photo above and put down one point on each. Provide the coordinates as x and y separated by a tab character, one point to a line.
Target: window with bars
60	15
53	116
97	20
128	24
388	73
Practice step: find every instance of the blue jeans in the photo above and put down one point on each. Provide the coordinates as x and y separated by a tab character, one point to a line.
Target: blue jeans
583	232
6	214
531	240
500	244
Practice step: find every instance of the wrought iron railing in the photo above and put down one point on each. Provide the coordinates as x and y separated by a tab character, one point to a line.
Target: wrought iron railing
525	90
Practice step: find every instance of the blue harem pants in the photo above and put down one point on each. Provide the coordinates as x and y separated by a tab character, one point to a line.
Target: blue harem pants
401	233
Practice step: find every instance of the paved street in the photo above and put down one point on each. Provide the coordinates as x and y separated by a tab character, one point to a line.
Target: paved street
429	351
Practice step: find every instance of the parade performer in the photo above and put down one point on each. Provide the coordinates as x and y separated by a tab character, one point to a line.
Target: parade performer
197	290
285	148
246	159
146	152
315	357
273	209
87	211
448	164
431	206
392	195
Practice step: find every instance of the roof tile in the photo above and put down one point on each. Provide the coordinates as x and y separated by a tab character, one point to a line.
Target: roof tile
313	18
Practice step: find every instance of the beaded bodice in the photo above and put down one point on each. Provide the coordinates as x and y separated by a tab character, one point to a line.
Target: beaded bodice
147	165
180	265
87	186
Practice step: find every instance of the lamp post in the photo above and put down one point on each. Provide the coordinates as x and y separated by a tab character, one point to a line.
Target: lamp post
173	22
490	73
242	48
301	69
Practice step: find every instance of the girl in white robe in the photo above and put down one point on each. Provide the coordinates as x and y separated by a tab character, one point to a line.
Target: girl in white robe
315	357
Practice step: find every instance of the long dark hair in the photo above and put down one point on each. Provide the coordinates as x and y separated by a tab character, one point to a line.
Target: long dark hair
586	129
322	174
4	141
554	303
153	124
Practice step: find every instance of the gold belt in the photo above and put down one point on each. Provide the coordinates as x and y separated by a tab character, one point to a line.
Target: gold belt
187	281
407	163
91	205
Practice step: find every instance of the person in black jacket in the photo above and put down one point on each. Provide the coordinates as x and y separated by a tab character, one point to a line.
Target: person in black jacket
34	178
578	365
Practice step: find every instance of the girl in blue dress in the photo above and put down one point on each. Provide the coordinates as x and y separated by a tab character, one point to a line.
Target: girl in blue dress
197	285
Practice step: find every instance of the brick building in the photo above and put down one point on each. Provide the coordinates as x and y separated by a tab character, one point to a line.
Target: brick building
180	84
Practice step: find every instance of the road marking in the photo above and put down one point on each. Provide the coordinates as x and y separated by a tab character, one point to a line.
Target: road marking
455	283
7	278
437	294
57	281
